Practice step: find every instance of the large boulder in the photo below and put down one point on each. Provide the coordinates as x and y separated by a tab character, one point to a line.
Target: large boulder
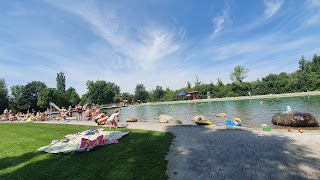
169	120
164	118
174	121
295	119
221	115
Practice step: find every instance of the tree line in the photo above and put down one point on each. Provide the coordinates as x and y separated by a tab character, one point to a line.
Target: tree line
36	95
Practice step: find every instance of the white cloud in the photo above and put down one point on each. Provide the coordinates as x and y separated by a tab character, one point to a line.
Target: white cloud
218	23
315	19
272	7
150	44
313	3
313	12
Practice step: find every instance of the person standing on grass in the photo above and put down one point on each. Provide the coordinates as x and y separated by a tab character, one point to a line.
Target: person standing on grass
114	118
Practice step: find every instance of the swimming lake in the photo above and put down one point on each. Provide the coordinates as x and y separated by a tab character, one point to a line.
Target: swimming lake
251	112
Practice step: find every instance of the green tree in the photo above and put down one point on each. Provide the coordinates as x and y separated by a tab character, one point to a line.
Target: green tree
84	99
203	89
116	99
220	90
304	65
158	94
127	96
239	74
100	92
315	65
16	100
61	82
188	85
48	95
140	92
259	88
26	97
72	96
169	95
4	98
197	82
306	78
115	88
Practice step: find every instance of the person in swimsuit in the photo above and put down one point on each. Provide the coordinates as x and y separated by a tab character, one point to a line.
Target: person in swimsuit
114	118
110	120
96	112
88	114
79	110
100	118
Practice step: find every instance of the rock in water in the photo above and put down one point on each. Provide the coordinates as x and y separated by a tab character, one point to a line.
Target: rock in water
174	121
164	118
169	120
295	119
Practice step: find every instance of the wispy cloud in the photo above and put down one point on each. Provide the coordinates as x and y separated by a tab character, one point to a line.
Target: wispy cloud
272	7
219	22
150	44
112	41
313	3
314	12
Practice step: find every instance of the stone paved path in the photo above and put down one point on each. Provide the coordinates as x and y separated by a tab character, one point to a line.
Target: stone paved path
200	152
228	153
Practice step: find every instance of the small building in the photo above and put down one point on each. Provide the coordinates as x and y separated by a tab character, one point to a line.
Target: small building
193	95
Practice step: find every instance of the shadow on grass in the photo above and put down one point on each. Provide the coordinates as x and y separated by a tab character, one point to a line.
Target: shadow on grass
8	162
139	155
217	153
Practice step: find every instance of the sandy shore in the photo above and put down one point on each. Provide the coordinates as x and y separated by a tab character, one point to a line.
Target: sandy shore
164	126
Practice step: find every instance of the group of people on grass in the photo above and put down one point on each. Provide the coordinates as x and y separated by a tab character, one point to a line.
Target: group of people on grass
94	114
102	118
19	116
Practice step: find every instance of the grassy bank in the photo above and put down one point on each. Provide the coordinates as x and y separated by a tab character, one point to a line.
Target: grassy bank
139	155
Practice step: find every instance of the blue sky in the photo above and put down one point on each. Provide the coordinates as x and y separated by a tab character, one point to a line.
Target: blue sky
153	42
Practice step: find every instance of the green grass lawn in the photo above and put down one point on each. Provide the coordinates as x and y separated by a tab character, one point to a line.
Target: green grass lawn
139	155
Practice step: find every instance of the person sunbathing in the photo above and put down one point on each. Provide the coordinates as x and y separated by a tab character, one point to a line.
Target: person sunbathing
100	118
95	113
110	120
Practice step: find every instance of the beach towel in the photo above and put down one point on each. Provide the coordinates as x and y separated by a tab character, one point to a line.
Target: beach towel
83	141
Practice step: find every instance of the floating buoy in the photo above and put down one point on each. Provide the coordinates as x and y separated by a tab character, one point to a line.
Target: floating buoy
301	131
238	120
203	122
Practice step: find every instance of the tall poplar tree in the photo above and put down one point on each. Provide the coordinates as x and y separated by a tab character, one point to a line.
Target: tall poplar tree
61	82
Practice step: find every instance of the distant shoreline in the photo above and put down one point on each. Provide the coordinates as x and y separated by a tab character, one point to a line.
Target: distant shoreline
298	94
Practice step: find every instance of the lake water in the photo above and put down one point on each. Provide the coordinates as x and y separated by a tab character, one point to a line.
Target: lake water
251	113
